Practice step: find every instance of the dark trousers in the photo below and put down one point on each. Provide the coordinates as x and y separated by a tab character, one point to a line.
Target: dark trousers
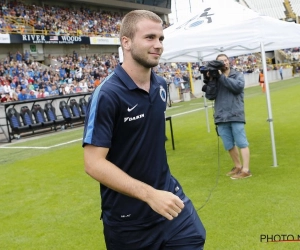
185	232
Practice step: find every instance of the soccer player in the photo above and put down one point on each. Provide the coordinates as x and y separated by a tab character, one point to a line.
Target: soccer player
143	205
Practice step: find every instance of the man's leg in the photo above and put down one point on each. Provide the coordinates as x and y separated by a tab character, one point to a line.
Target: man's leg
245	152
185	232
242	143
134	237
235	156
225	132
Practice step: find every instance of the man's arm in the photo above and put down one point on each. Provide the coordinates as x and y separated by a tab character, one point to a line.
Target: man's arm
163	202
235	85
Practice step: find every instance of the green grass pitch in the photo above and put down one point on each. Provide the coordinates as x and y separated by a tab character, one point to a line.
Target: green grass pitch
47	201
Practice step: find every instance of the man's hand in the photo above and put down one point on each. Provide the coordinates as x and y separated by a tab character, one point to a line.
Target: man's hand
208	76
165	203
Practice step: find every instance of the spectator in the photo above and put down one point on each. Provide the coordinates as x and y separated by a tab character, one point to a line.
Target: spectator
90	87
7	88
72	89
32	95
63	90
14	96
6	98
2	89
23	95
177	80
54	91
41	93
83	85
97	82
18	56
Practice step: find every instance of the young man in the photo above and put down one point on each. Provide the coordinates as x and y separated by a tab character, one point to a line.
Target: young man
143	206
229	117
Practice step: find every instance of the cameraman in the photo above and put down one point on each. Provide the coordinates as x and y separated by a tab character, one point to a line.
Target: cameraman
229	117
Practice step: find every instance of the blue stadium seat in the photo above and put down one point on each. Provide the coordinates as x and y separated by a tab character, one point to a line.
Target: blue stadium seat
15	122
51	116
83	105
66	113
27	118
39	115
76	109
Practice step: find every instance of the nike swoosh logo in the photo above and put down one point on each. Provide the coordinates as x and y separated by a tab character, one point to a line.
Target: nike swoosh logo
130	109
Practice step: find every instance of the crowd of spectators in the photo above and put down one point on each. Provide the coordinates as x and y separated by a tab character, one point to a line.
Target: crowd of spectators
22	79
26	79
292	54
58	20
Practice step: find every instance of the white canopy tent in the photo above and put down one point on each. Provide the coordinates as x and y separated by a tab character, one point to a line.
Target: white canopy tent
230	28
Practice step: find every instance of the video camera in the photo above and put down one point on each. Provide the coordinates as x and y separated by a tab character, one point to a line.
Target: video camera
213	68
210	80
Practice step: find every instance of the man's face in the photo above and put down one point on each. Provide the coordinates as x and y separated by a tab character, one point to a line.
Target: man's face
146	46
225	61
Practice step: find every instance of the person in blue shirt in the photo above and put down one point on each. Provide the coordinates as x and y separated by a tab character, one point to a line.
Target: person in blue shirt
281	72
31	95
143	205
23	95
30	73
54	90
18	56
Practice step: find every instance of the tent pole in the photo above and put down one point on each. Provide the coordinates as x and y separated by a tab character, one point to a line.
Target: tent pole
205	103
206	112
270	119
206	108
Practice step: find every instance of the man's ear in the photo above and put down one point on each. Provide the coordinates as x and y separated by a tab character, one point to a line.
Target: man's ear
126	43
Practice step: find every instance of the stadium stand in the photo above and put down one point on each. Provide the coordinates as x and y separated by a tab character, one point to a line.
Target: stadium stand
65	18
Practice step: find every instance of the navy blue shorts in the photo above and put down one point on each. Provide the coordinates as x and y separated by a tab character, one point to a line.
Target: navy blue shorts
185	232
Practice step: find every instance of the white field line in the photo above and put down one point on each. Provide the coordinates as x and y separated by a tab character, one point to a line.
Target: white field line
65	143
174	107
191	111
56	145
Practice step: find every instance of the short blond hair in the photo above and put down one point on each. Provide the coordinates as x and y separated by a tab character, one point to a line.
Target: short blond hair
128	26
